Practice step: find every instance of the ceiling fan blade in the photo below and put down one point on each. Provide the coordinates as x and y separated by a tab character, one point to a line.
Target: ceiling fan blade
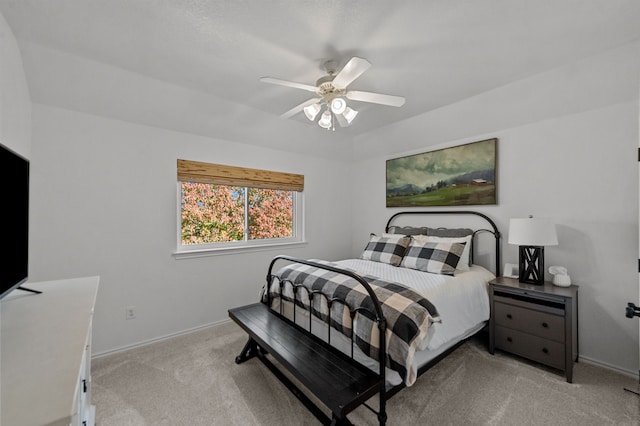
354	68
286	83
296	109
376	98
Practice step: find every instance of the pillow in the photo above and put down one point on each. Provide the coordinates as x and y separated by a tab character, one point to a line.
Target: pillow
465	258
449	232
437	258
387	249
408	230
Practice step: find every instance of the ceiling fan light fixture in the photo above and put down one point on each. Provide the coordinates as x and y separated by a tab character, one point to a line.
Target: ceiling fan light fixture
325	120
311	111
349	114
338	105
333	91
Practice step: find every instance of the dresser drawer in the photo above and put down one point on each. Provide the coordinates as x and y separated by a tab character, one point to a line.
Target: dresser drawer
541	324
529	346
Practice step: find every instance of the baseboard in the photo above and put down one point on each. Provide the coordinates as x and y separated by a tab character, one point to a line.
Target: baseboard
158	339
634	374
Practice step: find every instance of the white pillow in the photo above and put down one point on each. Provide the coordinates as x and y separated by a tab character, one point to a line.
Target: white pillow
465	258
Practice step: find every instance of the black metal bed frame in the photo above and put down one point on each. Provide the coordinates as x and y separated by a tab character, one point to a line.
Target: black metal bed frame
493	231
377	314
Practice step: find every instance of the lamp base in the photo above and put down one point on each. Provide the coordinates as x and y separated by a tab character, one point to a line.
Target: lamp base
531	267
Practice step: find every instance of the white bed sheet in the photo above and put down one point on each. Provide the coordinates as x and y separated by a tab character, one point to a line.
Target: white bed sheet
462	302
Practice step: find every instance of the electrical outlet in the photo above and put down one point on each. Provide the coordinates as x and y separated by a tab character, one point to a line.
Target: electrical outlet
130	312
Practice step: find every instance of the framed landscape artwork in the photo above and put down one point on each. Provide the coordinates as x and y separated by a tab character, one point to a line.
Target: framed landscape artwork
462	175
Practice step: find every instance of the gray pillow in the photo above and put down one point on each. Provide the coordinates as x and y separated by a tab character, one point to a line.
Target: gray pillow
449	232
408	230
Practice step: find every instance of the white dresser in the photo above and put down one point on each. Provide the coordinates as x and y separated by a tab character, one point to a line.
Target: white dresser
45	364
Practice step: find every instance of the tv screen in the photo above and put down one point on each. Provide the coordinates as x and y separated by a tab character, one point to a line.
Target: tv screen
14	225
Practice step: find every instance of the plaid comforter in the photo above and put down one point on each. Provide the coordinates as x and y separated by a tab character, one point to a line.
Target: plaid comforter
408	314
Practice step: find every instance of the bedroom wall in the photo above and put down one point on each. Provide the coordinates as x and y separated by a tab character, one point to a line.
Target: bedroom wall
104	203
567	150
15	105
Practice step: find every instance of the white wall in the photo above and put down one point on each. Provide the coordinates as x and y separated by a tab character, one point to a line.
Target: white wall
15	105
104	203
576	164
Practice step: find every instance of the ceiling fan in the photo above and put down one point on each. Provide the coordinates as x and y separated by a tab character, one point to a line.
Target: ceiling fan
331	91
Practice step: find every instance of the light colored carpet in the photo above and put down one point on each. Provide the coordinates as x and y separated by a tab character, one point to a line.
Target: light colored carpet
193	380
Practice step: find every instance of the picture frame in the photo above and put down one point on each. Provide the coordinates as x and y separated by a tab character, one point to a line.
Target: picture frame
511	270
456	176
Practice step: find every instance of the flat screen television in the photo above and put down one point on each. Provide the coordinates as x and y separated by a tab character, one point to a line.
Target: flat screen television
14	225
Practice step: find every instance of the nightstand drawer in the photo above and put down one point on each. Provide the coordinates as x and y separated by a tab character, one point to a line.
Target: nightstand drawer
529	346
541	324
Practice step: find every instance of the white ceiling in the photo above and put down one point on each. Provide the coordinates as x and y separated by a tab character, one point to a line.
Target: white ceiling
433	52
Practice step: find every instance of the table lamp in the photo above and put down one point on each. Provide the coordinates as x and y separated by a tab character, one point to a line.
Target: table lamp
532	234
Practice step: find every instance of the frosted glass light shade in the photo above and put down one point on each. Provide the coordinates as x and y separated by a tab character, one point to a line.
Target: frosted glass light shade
349	114
325	120
338	105
311	111
532	232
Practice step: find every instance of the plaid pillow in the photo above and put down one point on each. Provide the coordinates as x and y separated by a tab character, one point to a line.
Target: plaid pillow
388	249
435	257
465	259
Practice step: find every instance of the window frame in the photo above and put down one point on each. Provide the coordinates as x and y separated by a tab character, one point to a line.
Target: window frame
246	245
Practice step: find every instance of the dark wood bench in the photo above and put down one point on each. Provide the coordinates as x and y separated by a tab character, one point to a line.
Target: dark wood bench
340	383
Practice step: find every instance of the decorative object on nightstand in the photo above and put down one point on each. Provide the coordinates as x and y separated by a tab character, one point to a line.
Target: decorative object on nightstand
538	322
510	270
560	276
532	234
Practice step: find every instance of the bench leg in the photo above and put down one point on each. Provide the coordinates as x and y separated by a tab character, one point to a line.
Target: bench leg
249	351
382	418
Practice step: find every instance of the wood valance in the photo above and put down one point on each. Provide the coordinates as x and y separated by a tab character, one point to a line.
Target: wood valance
196	171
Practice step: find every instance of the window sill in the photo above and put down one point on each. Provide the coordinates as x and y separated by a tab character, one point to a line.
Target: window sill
188	254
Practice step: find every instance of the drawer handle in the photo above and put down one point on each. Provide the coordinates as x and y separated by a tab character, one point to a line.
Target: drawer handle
545	350
509	339
509	316
545	325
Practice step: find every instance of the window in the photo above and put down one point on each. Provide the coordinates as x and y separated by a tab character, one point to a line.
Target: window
226	207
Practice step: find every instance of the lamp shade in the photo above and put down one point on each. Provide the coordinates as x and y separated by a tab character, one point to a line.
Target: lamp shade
338	105
311	111
325	120
532	232
349	114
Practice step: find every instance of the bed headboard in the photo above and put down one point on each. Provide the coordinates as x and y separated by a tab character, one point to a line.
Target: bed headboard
491	223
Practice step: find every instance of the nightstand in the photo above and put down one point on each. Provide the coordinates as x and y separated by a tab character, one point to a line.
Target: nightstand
538	322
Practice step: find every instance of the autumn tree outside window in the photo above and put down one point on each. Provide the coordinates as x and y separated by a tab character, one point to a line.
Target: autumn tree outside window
230	207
